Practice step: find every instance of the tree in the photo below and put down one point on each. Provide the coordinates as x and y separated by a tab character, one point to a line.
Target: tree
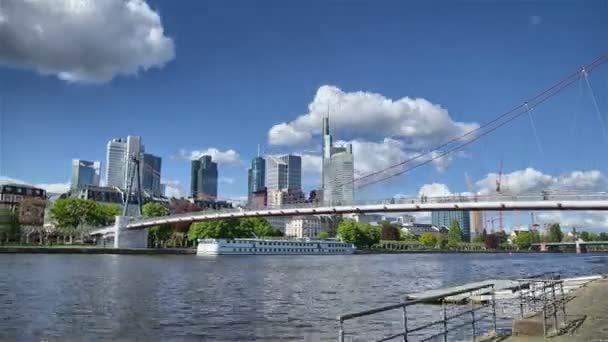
407	236
359	234
442	241
72	215
454	234
259	226
523	240
478	239
492	241
157	235
217	229
603	236
428	239
390	232
555	233
154	209
322	235
9	225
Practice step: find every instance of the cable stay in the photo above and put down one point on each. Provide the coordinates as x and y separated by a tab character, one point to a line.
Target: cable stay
594	101
534	131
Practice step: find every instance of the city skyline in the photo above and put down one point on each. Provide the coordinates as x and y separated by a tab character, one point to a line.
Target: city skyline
390	88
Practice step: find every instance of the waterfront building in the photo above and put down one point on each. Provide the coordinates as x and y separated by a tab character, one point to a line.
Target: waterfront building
85	172
150	179
337	174
282	197
284	172
119	167
372	219
163	189
256	176
306	226
26	201
476	223
445	219
258	199
421	228
203	180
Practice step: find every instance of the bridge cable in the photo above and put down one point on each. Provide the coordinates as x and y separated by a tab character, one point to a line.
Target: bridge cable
594	101
534	131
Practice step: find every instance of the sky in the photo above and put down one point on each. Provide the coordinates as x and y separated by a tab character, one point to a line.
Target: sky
397	78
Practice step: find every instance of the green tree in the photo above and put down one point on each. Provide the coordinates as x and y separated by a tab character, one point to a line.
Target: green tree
157	235
73	215
407	236
105	214
9	225
602	237
359	234
154	209
322	235
455	234
523	240
477	239
442	241
218	229
261	227
555	233
390	232
428	239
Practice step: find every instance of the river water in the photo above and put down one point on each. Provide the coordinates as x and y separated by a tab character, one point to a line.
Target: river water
235	298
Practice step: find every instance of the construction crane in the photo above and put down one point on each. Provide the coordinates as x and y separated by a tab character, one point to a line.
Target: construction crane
498	190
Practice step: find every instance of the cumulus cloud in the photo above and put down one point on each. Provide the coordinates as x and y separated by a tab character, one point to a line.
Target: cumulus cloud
173	188
55	188
434	190
417	121
83	40
218	156
584	220
530	180
311	163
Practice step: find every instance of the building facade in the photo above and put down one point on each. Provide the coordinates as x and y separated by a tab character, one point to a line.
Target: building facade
150	178
445	219
26	201
203	181
116	163
338	170
85	172
306	226
256	176
284	172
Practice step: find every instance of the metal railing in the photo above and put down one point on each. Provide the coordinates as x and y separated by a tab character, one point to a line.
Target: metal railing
444	322
545	296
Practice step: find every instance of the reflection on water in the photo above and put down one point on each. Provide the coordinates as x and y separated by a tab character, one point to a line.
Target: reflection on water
237	297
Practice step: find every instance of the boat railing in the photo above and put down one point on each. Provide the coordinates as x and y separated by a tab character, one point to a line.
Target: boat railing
446	322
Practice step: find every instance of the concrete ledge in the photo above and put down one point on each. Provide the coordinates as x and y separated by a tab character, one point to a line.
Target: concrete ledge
93	250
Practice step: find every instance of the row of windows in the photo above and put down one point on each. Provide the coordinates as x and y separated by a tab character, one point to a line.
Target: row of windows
288	250
300	244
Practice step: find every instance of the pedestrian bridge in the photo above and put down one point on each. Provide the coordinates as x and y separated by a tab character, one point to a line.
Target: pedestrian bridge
529	202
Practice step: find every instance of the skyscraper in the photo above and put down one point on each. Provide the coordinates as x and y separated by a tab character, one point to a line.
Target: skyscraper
85	173
119	168
115	163
150	169
338	170
445	219
256	175
284	173
203	178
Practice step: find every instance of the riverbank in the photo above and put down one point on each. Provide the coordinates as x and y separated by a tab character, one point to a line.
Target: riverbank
441	251
91	250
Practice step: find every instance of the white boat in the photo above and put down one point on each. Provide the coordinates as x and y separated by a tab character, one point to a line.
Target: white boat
272	247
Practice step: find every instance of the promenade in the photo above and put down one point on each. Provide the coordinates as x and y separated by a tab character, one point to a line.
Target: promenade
590	301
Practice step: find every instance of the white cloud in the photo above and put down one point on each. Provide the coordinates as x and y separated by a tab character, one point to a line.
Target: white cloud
173	188
221	157
311	163
226	180
530	180
49	187
83	40
592	221
434	190
418	121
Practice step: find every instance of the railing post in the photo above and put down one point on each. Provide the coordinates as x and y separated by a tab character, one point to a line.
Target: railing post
563	300
341	331
445	320
521	301
472	314
494	309
405	323
554	307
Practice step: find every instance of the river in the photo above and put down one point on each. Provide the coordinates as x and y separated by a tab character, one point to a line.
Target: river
235	298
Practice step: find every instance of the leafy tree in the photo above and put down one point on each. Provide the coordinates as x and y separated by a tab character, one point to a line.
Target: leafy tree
477	239
534	236
105	214
407	236
603	236
154	209
218	229
259	226
455	234
390	232
555	233
428	239
322	235
72	215
359	234
442	241
9	225
453	244
372	235
523	240
157	235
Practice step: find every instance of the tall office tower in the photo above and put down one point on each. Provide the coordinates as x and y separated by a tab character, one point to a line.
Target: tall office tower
445	219
284	173
256	176
85	173
337	175
203	178
150	178
115	163
119	167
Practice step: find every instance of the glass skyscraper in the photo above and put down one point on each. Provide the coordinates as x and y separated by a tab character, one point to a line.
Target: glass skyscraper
85	173
445	219
338	170
257	175
115	163
203	178
151	174
284	173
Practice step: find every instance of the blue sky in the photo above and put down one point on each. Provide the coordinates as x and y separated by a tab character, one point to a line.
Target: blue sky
225	72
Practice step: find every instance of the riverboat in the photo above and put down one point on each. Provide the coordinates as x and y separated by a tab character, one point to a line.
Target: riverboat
272	247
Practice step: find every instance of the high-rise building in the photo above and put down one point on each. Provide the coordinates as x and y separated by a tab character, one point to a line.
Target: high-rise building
119	167
445	219
256	176
115	163
85	173
284	173
203	180
150	179
338	170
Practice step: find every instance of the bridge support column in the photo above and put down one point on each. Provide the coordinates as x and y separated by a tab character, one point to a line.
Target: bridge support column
128	238
544	247
580	248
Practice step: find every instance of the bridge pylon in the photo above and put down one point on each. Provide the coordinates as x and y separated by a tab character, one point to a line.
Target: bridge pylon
128	238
